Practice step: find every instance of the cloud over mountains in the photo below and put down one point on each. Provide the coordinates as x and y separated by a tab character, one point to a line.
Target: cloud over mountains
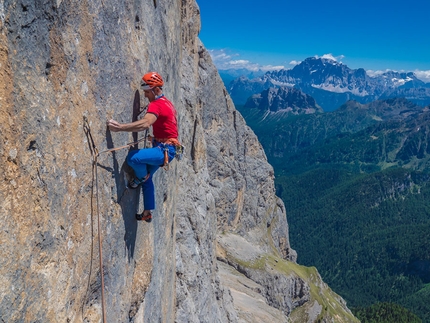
225	60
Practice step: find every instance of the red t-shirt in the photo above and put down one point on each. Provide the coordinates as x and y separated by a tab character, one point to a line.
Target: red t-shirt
166	125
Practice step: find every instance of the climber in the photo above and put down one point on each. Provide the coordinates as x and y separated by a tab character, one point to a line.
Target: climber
161	115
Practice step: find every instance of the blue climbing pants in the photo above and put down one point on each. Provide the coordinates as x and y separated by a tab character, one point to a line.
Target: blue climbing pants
144	161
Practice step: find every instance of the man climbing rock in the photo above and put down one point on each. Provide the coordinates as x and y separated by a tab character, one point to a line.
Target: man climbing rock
161	115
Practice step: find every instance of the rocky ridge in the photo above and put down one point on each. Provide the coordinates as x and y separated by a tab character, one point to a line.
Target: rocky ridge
294	135
288	100
68	66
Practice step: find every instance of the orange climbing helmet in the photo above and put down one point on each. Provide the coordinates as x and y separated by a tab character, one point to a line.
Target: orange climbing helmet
151	80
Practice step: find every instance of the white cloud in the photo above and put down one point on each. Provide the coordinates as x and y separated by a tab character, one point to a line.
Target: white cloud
373	73
423	75
224	61
219	55
294	63
333	58
272	67
239	62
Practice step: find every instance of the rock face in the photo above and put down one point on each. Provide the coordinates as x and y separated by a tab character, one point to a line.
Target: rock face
68	66
288	100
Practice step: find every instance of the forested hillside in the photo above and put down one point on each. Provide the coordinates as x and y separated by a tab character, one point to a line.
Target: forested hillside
356	186
368	234
386	313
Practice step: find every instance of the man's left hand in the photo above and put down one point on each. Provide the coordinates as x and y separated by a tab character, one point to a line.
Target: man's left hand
113	125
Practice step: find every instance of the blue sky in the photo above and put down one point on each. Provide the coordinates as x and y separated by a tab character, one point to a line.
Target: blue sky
373	34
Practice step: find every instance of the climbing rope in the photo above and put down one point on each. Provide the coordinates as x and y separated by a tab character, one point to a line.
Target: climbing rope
122	147
95	154
100	239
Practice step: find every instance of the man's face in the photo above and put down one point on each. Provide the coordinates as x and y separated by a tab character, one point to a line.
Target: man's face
150	95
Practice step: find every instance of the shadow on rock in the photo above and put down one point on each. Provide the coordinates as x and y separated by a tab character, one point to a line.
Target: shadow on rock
127	199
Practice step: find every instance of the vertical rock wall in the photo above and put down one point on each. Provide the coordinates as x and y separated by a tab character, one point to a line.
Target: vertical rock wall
64	62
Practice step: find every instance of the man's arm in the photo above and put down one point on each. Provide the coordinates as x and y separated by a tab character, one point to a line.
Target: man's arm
136	126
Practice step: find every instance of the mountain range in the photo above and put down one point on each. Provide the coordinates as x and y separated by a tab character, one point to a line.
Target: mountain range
290	135
332	83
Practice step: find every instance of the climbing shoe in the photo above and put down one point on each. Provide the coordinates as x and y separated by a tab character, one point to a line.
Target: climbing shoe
135	182
142	217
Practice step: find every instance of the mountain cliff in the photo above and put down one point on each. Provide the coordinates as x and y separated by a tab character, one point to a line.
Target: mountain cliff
218	247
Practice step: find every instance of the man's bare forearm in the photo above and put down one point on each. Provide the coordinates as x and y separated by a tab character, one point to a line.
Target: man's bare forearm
137	126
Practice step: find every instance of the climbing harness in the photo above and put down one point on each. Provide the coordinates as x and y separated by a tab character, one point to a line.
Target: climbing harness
179	149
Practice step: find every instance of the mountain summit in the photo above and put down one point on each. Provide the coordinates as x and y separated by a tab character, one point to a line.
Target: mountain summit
330	75
332	83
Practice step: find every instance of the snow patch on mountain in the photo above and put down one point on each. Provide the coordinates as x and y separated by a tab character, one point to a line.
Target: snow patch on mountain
399	82
340	89
280	83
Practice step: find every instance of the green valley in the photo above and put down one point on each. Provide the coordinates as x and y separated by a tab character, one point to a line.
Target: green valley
356	186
